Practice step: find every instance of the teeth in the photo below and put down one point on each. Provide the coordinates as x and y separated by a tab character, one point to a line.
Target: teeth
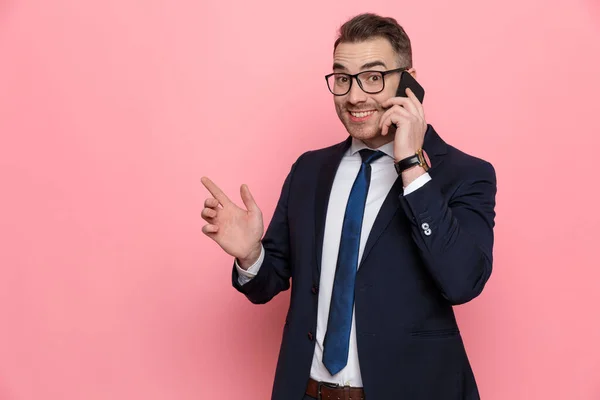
361	114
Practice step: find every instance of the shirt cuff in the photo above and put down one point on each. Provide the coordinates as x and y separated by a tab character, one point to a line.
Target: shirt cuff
245	276
417	183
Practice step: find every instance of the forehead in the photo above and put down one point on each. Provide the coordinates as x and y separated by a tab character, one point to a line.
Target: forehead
354	56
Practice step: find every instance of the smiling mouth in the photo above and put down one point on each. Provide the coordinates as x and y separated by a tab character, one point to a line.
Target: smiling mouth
361	114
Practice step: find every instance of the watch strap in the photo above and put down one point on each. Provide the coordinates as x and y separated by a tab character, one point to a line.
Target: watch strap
409	162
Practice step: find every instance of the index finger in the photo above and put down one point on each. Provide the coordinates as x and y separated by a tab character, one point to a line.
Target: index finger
397	101
404	102
215	191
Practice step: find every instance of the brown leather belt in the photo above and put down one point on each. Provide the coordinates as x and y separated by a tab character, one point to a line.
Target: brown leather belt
330	391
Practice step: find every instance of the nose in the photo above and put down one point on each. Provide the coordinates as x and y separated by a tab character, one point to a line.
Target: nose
356	94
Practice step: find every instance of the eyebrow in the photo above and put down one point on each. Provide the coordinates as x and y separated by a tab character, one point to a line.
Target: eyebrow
368	65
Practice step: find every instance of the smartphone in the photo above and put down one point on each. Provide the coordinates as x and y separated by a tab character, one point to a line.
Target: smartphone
407	81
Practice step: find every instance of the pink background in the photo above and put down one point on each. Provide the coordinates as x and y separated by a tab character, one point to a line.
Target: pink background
111	111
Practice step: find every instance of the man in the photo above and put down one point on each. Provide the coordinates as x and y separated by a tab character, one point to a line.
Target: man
381	235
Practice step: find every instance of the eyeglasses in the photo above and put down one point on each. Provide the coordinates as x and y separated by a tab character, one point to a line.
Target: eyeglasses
371	82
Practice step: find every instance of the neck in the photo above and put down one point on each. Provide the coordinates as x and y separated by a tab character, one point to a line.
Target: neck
377	142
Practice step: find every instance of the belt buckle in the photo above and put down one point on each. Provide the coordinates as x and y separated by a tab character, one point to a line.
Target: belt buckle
327	385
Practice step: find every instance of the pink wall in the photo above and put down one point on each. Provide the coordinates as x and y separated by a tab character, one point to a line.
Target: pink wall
111	111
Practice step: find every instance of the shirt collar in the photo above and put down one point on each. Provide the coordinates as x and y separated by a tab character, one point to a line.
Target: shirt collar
358	145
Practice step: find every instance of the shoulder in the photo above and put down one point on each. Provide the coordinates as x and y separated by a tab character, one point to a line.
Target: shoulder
320	156
456	168
468	164
463	174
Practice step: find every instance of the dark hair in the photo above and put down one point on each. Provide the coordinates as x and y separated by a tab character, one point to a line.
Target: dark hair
368	26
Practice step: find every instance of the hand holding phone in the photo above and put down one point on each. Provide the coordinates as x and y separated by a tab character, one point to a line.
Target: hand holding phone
389	121
406	116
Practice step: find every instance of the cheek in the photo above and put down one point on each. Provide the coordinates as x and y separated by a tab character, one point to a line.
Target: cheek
388	93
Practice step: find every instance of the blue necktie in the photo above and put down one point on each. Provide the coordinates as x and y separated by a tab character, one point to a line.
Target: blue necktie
337	338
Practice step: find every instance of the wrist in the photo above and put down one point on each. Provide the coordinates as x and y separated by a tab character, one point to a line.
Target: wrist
411	162
411	174
252	257
404	155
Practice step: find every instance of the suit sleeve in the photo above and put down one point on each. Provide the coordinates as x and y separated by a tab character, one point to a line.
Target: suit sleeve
455	237
274	273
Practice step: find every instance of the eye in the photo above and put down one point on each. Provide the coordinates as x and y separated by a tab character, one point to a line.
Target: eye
341	78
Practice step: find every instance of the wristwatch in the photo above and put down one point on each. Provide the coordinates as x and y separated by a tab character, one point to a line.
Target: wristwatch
417	159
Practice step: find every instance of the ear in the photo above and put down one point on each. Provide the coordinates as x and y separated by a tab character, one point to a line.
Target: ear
413	72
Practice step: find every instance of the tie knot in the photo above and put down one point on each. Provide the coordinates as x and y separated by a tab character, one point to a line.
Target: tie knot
368	155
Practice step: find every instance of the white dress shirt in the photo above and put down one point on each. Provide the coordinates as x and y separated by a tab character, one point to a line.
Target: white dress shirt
383	176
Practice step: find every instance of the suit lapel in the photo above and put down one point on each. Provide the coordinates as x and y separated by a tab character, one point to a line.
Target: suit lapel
384	217
323	190
435	147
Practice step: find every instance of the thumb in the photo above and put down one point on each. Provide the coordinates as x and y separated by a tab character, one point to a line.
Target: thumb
248	199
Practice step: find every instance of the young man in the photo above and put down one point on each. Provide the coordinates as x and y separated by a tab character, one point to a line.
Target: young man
381	234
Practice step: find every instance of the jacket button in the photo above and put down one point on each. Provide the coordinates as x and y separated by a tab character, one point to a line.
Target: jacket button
310	336
314	290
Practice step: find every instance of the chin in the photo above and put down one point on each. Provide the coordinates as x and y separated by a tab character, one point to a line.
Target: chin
362	133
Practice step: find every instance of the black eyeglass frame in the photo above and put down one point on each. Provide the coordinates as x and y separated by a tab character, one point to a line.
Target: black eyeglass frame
354	77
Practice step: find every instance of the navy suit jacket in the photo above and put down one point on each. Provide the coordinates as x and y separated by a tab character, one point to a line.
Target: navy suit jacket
409	344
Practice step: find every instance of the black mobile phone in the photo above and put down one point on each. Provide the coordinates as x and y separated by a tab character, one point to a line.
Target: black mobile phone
407	81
